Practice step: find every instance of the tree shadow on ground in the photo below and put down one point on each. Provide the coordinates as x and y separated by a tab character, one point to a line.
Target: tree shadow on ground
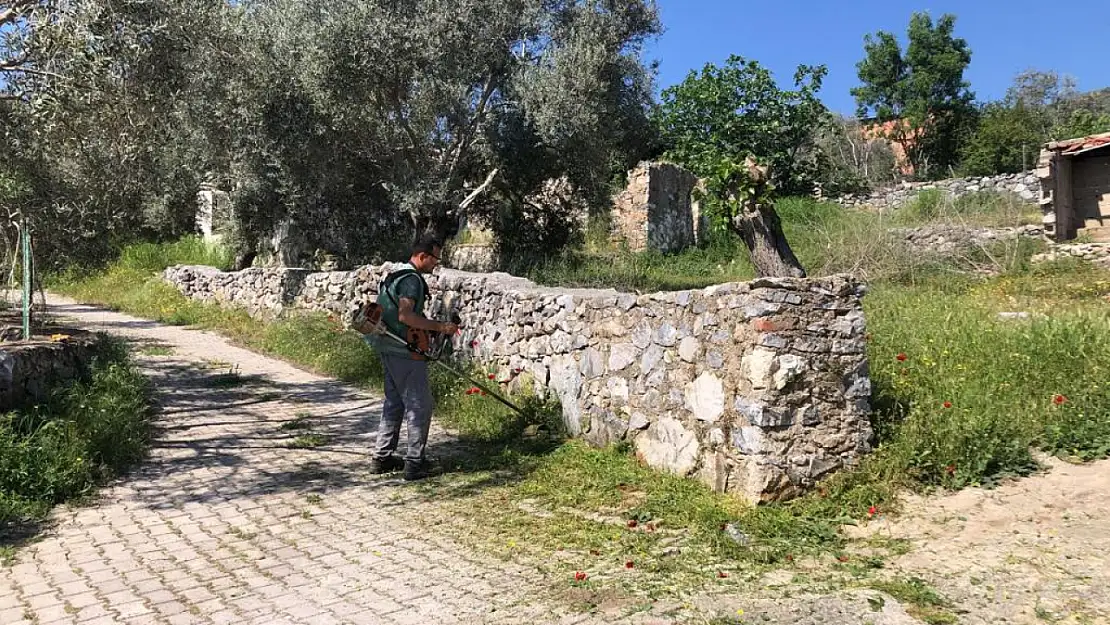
257	436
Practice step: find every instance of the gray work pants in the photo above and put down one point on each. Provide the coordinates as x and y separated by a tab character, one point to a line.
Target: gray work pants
407	398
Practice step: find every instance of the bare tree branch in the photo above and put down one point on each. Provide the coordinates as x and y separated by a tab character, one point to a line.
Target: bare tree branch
476	192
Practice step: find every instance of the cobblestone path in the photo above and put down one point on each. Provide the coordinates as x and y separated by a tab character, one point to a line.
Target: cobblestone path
224	523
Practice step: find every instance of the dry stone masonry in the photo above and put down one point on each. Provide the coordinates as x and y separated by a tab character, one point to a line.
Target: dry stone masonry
946	239
656	210
1025	186
757	388
29	369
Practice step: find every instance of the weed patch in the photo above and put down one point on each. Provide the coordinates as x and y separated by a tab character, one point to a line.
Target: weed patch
85	432
307	441
921	601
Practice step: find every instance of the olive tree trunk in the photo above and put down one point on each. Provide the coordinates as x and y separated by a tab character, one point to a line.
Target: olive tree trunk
756	221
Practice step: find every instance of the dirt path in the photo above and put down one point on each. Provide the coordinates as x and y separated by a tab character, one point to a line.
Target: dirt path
1031	551
225	523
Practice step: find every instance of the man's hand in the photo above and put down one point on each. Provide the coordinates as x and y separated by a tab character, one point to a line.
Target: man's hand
449	329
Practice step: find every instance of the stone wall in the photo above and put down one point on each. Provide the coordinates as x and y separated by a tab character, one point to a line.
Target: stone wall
757	388
655	211
946	239
28	370
1025	186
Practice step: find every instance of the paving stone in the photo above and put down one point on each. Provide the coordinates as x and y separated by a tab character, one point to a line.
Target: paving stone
210	528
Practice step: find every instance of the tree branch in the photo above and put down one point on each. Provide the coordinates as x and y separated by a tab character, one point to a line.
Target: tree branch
467	135
476	192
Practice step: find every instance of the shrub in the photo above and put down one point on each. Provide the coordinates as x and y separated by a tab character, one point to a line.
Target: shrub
86	432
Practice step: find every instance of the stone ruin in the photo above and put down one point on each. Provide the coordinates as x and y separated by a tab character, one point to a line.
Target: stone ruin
1075	182
656	211
214	213
758	389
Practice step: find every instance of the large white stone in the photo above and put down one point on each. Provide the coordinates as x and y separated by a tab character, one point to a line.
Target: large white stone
618	390
621	356
667	445
759	366
705	397
788	369
652	355
567	384
592	366
688	349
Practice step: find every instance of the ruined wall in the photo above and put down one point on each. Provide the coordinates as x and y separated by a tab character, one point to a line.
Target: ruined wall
757	388
1025	186
28	370
655	210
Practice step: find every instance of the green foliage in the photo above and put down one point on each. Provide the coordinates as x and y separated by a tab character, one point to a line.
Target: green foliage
730	187
341	129
190	250
1008	139
922	91
729	113
1000	377
87	431
826	237
1082	123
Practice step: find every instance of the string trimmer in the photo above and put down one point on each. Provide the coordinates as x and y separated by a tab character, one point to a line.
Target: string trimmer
368	320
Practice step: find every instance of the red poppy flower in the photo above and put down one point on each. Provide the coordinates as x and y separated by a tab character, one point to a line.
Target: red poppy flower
947	404
842	558
629	565
901	357
722	574
474	343
1059	400
579	576
633	523
872	511
474	390
491	376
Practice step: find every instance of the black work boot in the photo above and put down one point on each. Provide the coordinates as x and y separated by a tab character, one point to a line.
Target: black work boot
389	464
416	470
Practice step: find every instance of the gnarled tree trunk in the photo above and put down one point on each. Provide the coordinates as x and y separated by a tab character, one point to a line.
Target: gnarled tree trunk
770	252
759	225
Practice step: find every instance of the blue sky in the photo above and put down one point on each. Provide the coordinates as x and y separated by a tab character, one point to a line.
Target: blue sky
1005	36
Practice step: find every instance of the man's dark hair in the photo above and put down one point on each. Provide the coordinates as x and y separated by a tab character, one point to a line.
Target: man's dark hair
426	244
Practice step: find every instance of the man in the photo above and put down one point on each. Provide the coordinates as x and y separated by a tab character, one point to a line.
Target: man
408	396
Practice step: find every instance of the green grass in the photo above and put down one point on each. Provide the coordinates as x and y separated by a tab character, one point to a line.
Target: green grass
85	432
920	600
307	441
826	238
983	208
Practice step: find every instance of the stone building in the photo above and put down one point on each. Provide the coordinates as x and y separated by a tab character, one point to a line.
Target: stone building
656	210
1075	187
